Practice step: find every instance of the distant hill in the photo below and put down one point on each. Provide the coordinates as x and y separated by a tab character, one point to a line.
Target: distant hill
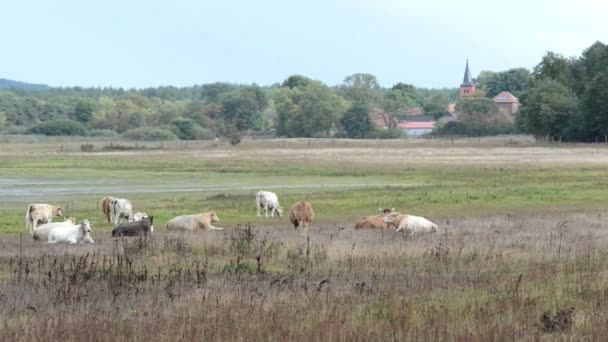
10	84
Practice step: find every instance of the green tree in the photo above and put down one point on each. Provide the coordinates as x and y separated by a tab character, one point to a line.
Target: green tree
595	107
83	111
309	111
356	121
136	120
361	88
243	108
514	81
550	110
297	81
436	105
394	103
476	108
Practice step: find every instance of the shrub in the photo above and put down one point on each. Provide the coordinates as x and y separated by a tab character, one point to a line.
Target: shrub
87	147
103	133
475	128
392	133
59	127
149	134
201	133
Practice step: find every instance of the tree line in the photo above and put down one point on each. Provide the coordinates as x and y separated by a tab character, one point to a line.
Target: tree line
297	107
567	98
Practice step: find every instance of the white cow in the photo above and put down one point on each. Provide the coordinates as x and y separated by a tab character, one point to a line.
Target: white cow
121	208
268	200
41	233
40	213
410	224
71	233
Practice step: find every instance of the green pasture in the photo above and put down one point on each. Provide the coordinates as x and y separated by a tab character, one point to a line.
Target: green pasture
339	193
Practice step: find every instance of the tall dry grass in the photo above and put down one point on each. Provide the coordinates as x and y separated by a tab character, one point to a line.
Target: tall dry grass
509	277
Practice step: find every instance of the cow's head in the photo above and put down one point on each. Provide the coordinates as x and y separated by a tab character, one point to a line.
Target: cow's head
214	217
85	227
386	211
138	216
391	218
280	211
59	211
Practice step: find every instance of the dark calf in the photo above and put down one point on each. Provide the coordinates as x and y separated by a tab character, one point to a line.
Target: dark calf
143	227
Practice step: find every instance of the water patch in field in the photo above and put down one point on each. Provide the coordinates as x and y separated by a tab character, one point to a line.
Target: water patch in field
15	189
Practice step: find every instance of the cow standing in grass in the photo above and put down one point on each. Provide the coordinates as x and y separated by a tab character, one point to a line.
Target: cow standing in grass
121	208
39	213
106	207
410	224
268	200
301	215
374	222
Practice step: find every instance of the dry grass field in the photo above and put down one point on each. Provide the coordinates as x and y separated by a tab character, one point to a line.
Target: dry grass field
520	253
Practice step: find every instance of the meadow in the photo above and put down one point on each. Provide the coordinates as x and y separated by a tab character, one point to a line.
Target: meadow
520	253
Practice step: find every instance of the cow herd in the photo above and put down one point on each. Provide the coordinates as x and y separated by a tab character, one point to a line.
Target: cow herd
39	217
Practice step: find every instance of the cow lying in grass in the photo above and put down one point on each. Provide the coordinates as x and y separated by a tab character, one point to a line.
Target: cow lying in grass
374	222
410	224
143	227
192	223
41	233
71	233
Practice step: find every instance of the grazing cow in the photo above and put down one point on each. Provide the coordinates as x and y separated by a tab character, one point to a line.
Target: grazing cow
410	224
192	223
138	216
106	207
71	233
376	221
42	232
268	200
144	227
121	208
301	215
40	213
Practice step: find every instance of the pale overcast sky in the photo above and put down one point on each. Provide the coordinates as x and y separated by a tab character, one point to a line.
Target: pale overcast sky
137	43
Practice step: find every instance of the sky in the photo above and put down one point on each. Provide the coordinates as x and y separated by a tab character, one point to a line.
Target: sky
136	43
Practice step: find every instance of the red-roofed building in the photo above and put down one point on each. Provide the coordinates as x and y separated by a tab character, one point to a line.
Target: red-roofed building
506	102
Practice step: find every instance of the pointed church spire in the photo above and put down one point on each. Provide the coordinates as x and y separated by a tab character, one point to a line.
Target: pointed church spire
467	76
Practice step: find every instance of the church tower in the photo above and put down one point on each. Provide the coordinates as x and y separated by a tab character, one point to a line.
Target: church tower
467	88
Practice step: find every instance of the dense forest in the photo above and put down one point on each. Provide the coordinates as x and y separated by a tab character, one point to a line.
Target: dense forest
561	98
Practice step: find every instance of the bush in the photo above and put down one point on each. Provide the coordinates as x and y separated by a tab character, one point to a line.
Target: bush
103	133
16	130
87	147
392	133
476	128
149	134
59	127
200	133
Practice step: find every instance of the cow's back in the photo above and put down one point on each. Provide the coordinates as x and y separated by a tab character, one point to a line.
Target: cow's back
301	211
181	223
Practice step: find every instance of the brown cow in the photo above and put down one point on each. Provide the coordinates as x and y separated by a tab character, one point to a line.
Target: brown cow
374	222
301	214
106	207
